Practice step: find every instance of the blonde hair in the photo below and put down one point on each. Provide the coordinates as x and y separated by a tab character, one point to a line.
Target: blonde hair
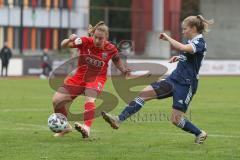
100	26
199	22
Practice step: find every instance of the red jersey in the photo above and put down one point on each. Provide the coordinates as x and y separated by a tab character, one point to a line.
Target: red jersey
92	63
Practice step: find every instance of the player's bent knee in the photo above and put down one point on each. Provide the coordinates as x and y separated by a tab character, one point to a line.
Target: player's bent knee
90	95
56	100
145	97
59	99
90	99
147	93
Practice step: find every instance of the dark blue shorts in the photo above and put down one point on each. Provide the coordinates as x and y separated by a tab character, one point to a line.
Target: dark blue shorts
182	94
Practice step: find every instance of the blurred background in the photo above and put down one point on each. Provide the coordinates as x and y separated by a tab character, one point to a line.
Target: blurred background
34	27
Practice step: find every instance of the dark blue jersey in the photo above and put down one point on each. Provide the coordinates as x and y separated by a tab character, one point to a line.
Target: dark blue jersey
189	63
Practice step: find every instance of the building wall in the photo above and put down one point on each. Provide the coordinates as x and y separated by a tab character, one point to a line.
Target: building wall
223	39
141	22
152	17
158	15
172	12
45	23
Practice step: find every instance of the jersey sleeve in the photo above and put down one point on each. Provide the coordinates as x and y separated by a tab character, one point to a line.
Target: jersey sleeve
111	49
198	46
114	51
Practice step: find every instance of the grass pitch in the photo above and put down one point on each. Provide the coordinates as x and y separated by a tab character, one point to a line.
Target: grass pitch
25	105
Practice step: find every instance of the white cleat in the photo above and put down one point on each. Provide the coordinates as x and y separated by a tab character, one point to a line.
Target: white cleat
201	137
112	120
65	131
83	129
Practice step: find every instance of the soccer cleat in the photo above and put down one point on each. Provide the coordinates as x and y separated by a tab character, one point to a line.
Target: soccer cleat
83	129
112	120
65	131
201	137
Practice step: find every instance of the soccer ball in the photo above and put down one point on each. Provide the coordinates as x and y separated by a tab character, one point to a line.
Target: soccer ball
57	122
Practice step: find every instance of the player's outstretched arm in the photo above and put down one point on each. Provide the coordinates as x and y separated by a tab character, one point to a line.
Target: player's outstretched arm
69	43
66	43
177	45
119	64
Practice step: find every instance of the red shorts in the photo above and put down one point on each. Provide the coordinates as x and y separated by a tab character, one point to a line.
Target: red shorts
76	87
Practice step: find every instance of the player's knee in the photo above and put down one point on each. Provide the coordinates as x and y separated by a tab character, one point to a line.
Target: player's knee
90	100
143	96
90	95
57	100
147	93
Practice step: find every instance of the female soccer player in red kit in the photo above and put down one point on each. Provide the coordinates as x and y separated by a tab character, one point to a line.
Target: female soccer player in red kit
94	54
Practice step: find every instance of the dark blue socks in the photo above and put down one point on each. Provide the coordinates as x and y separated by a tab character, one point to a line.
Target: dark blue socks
132	108
188	127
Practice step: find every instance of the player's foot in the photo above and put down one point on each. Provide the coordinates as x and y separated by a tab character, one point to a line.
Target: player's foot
65	131
201	137
83	129
112	120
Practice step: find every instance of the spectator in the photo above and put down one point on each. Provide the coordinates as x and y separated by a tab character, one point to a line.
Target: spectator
5	55
46	64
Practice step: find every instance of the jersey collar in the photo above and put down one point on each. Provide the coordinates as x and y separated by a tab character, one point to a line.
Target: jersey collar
196	37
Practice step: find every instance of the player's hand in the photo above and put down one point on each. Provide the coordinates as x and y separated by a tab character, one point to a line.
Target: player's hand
72	37
127	72
174	59
163	36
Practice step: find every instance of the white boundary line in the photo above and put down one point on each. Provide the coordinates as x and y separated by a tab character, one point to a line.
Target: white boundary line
33	127
26	110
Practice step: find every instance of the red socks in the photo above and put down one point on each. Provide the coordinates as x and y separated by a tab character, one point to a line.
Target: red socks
89	113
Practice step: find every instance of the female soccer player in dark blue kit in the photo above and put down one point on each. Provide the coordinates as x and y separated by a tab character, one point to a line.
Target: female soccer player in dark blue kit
181	84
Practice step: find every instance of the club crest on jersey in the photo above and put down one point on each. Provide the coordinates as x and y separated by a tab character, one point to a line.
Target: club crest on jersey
104	55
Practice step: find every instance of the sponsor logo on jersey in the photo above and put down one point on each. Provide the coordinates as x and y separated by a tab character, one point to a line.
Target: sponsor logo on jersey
182	58
94	62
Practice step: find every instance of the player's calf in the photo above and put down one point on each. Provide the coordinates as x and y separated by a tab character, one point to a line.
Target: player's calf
180	121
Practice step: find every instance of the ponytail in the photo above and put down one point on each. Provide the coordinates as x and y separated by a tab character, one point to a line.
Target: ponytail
99	26
204	24
199	22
